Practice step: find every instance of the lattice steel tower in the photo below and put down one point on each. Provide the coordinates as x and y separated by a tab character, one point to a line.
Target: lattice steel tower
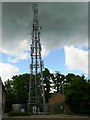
36	102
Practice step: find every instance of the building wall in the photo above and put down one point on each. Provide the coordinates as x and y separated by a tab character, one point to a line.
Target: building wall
18	107
3	100
57	98
57	103
0	98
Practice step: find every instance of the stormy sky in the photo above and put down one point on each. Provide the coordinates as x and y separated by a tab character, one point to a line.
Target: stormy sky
64	24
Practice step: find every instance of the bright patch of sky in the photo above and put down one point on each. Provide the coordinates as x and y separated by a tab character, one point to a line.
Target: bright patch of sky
57	60
64	60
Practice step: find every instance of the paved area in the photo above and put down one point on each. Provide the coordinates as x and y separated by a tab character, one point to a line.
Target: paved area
4	117
49	117
56	116
0	117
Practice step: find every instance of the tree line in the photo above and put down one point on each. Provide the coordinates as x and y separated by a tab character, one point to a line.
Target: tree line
76	89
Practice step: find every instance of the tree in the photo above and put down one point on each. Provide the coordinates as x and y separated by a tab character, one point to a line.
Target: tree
21	88
58	81
77	95
9	95
47	84
69	77
16	90
76	90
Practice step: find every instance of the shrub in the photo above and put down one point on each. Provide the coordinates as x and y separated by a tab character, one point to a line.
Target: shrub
19	113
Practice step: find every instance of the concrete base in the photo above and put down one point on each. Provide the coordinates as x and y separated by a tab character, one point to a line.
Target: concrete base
49	117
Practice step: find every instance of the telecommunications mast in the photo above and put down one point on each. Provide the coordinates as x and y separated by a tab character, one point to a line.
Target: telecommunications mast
36	100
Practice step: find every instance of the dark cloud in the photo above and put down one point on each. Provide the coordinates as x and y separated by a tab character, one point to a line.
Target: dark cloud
63	23
45	1
0	24
16	20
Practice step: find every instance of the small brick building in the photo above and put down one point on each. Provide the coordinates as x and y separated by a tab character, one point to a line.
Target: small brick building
57	103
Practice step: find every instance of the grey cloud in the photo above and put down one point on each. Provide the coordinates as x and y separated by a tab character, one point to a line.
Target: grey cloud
67	23
63	23
15	17
45	1
0	24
